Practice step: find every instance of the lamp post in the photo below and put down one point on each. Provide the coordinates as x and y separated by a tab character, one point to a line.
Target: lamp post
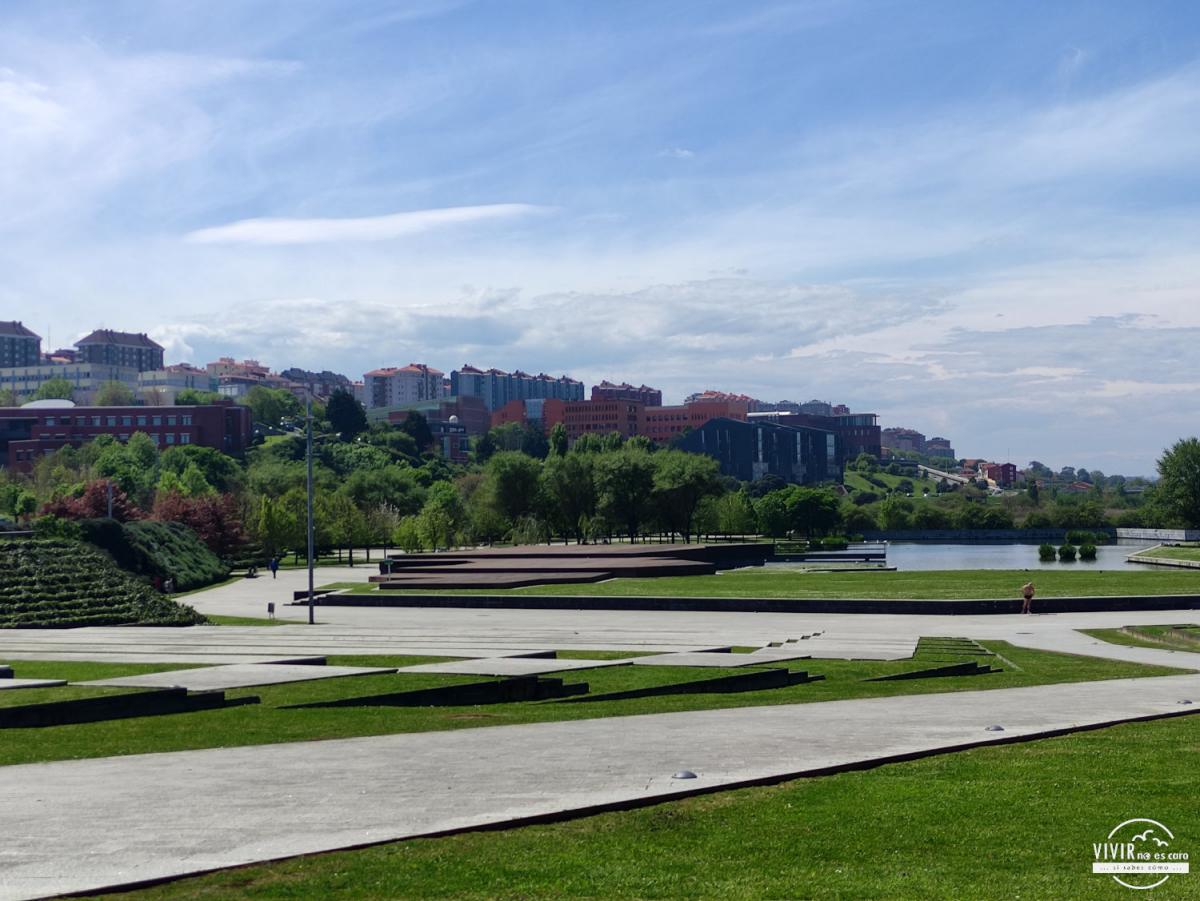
309	466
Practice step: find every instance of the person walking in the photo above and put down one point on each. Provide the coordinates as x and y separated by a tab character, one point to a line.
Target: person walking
274	566
1027	594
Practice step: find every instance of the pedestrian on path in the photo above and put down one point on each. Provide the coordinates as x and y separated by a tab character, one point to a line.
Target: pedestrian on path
1027	594
274	566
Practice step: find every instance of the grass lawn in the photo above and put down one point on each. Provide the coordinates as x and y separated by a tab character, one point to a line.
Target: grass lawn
246	621
1149	637
768	582
855	481
278	718
1005	822
1173	553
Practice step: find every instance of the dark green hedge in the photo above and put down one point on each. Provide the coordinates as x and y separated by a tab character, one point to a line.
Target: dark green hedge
62	584
163	549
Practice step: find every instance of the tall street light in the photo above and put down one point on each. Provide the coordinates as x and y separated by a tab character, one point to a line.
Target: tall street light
309	464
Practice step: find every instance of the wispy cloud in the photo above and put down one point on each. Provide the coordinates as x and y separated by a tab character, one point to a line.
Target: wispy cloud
362	228
677	153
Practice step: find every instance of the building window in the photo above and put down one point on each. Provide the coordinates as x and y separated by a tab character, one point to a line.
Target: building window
170	437
185	438
156	420
186	419
50	420
110	420
126	420
96	421
171	420
141	420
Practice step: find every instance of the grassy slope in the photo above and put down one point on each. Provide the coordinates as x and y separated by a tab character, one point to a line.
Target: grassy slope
1174	553
1161	638
1006	822
272	721
973	584
856	482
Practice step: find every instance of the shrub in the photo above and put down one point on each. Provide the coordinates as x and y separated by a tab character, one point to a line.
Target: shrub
162	549
63	584
1046	552
835	543
1087	552
1066	552
1079	537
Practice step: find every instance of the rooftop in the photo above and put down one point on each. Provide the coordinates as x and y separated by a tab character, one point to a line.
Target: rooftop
126	339
14	329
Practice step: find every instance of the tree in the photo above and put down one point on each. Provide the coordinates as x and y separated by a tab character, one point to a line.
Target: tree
271	405
221	471
624	483
569	489
485	447
8	397
113	394
734	513
274	526
416	426
511	480
681	482
772	514
813	510
558	440
215	518
533	442
894	514
346	415
1178	491
194	397
92	503
54	389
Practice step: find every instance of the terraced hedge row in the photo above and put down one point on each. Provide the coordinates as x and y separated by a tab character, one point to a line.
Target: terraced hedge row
61	584
164	549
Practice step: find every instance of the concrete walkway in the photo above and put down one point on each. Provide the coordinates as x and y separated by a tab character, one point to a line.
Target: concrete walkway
84	825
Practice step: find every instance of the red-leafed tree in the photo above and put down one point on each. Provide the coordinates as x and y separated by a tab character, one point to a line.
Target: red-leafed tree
214	518
93	504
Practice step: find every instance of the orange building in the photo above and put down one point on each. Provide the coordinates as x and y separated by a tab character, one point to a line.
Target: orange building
664	423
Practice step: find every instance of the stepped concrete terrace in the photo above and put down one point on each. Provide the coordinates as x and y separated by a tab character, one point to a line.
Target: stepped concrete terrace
561	564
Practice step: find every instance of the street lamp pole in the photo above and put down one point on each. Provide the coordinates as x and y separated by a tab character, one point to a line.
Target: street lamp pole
309	463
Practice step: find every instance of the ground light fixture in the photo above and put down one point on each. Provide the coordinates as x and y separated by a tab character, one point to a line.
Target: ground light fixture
995	728
684	774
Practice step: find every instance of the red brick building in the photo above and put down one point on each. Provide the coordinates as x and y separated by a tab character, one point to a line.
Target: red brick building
664	423
32	431
651	397
1003	474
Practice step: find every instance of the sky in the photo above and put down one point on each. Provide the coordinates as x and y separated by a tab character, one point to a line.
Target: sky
978	219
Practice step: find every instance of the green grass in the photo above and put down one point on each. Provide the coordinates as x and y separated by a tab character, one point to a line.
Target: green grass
1149	637
72	671
246	621
855	481
277	719
768	582
1173	553
1003	822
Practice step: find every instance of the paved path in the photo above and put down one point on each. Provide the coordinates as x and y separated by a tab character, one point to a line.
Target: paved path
83	825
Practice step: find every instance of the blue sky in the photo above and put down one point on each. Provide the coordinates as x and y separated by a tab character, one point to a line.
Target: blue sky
977	219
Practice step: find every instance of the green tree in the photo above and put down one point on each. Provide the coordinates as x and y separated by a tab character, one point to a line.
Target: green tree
113	394
894	514
569	489
533	442
1178	490
54	389
194	397
416	426
221	471
813	511
8	397
681	482
271	405
772	514
346	415
512	479
558	440
485	447
734	514
273	526
624	486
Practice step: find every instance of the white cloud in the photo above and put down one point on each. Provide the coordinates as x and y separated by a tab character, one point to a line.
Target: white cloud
677	153
363	228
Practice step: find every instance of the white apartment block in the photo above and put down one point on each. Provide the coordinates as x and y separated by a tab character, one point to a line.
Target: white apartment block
398	386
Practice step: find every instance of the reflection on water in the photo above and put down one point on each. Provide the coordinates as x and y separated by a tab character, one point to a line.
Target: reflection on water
910	556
